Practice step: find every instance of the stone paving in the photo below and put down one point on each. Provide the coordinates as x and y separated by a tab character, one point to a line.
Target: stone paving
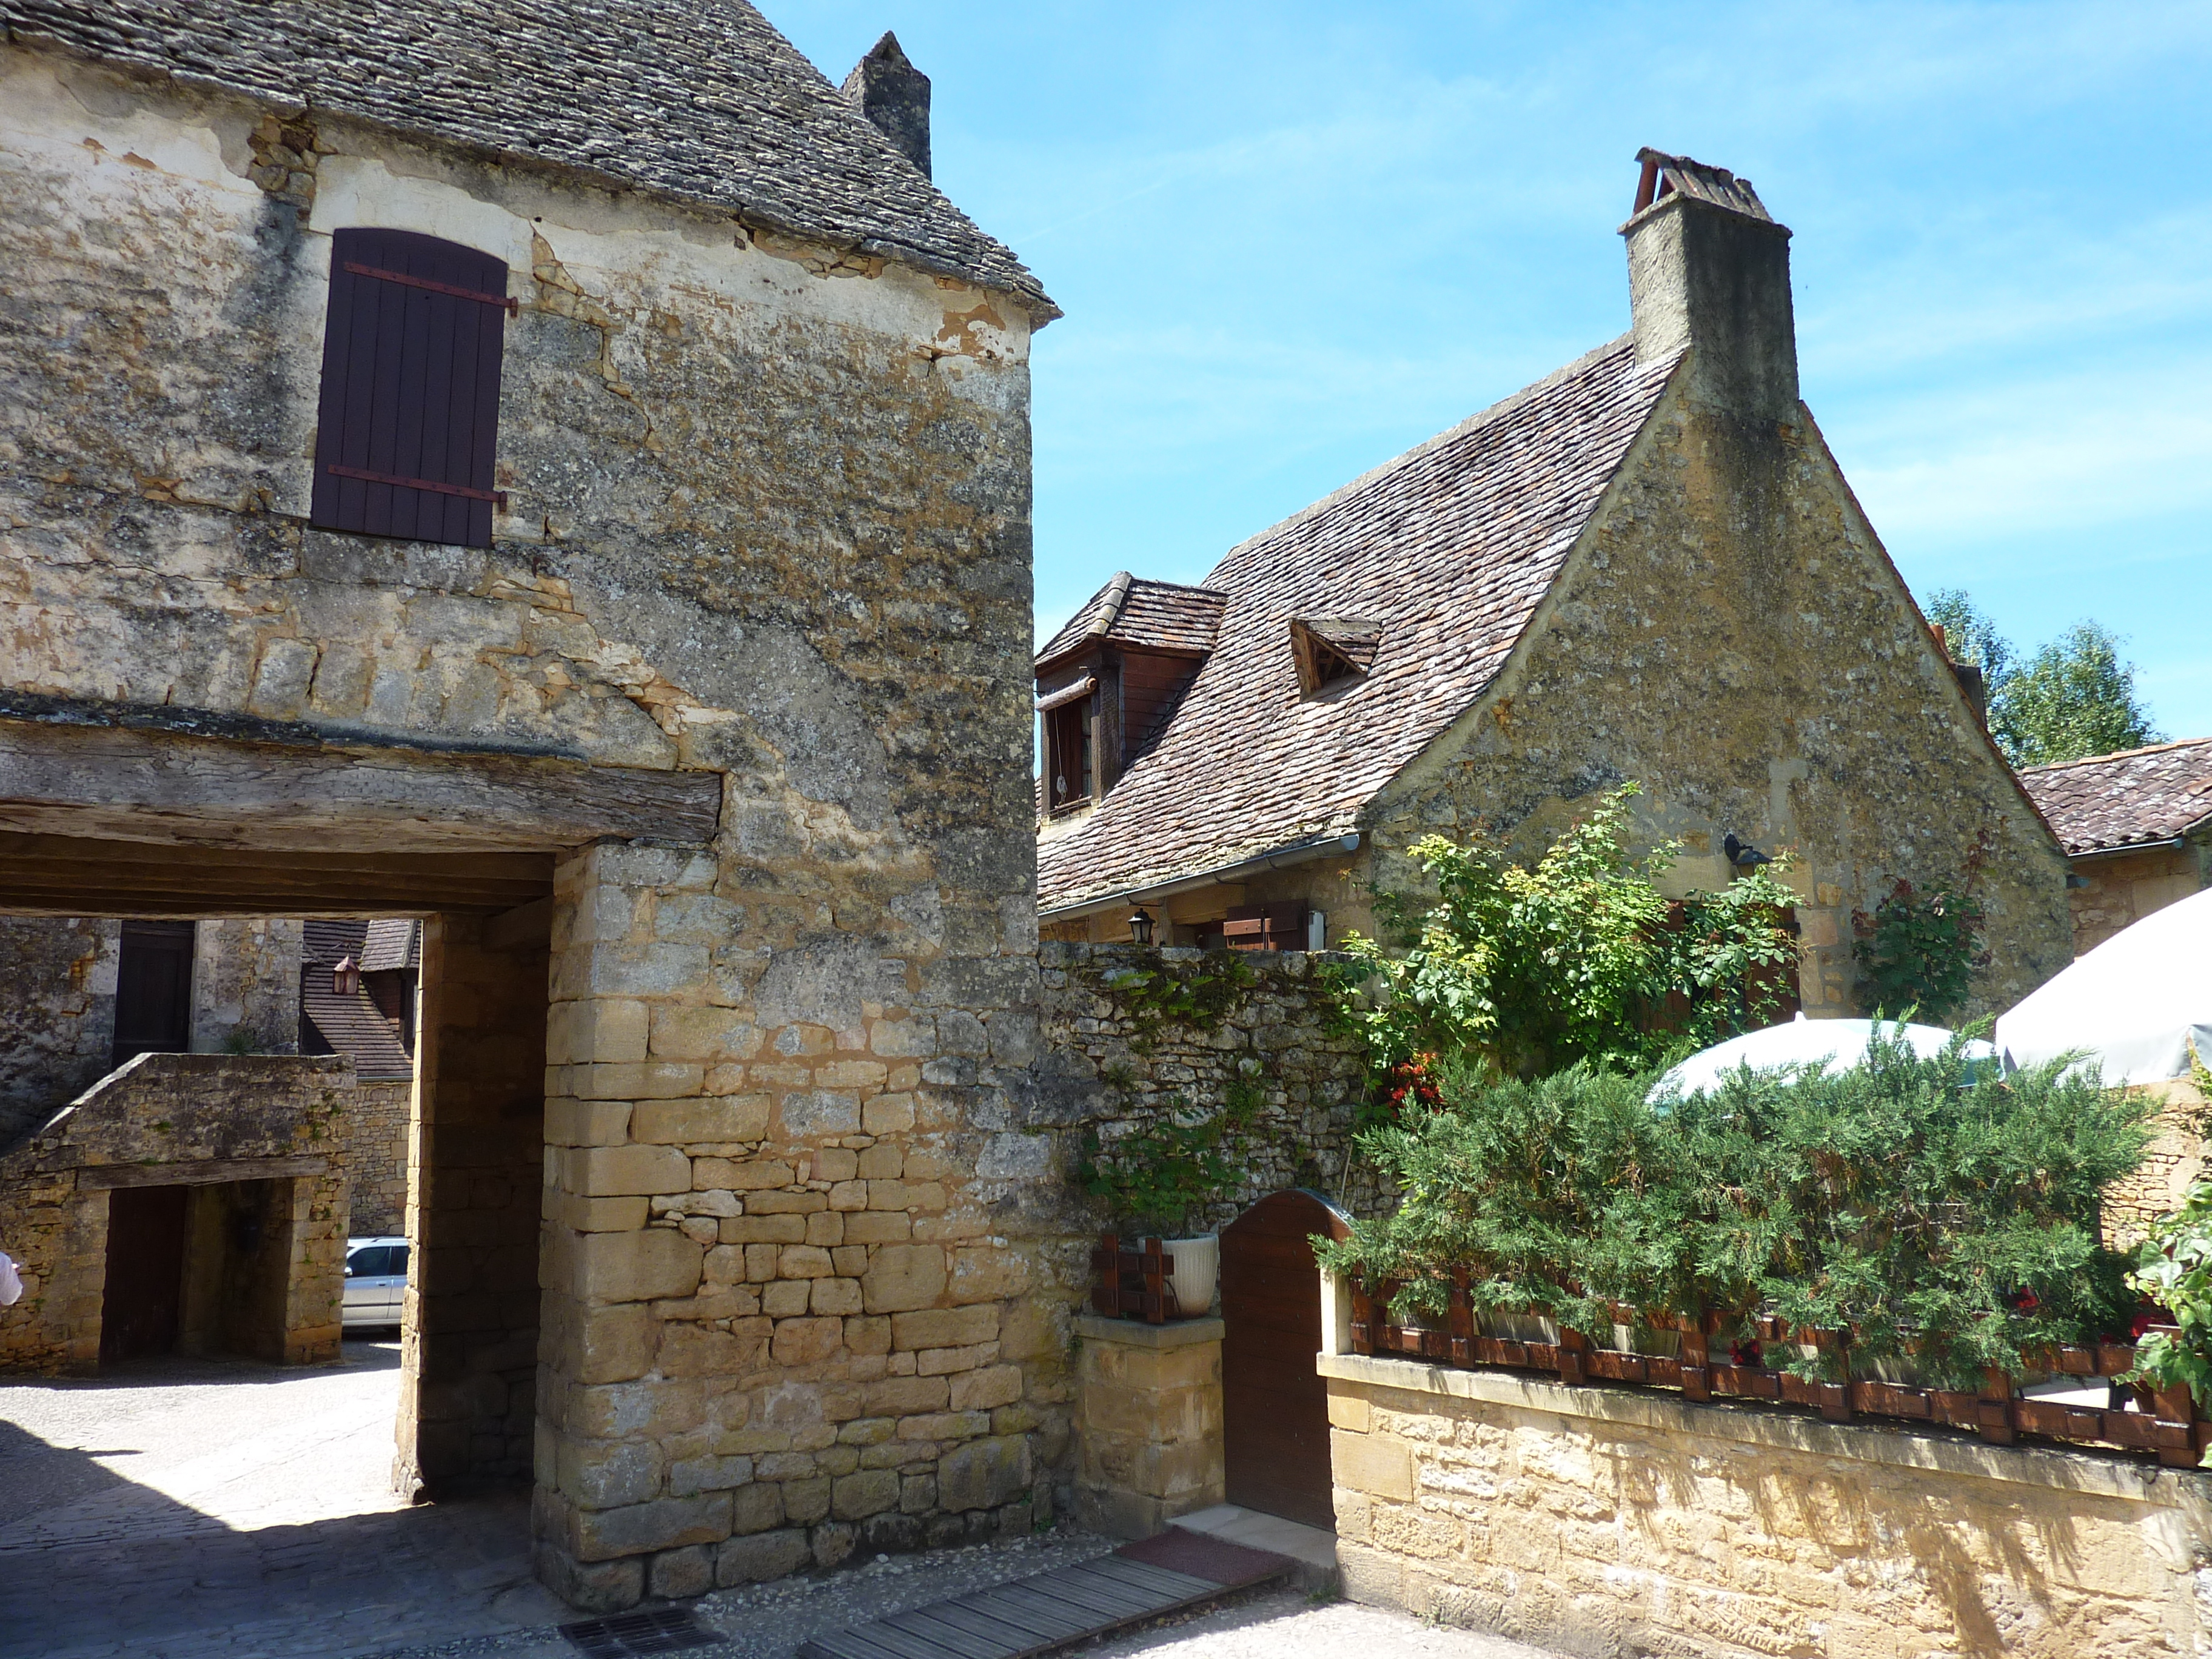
225	1509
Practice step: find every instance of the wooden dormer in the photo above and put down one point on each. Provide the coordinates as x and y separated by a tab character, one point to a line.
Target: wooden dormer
1110	681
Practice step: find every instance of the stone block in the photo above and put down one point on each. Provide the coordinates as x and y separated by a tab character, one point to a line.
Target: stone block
703	1034
833	1543
684	1572
603	1475
868	1492
761	1557
763	1229
1375	1464
806	1342
984	1474
980	1390
810	1113
888	1115
871	1336
825	1228
903	1396
786	1299
610	1171
757	1507
879	1227
836	1295
904	1277
640	1267
699	1351
945	1327
641	1528
596	1215
740	1174
701	1119
600	1030
806	1501
570	1122
804	1261
988	1275
634	1081
785	1203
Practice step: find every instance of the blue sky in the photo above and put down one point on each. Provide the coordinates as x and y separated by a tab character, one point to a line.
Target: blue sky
1294	240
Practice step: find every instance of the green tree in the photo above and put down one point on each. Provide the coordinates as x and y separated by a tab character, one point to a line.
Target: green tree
1581	956
2074	697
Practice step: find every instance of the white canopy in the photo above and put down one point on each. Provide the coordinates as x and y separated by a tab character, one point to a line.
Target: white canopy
1817	1045
2132	1004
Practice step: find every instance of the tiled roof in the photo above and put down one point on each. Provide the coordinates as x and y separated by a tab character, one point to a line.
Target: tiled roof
354	1026
699	100
1449	547
1141	616
2125	800
392	942
326	940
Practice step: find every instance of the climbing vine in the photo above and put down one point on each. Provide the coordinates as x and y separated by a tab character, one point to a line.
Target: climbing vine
1197	994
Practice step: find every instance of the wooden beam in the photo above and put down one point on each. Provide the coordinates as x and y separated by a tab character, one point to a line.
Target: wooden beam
199	1172
314	793
73	876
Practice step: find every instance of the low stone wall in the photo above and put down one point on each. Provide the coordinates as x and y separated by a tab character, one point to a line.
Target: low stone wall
376	1163
1148	1427
2174	1162
1607	1524
180	1120
1109	1064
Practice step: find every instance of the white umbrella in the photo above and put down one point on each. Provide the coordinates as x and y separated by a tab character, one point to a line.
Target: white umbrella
2133	1005
1817	1045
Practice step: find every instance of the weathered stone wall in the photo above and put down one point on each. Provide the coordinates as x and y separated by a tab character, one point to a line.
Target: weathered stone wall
245	985
57	1014
376	1163
1111	1065
2118	893
1731	633
198	1120
768	518
2174	1162
1606	1524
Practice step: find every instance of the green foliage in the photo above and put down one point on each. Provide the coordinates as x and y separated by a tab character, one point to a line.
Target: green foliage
1923	1209
1919	950
244	1041
2074	697
1580	957
2174	1269
1197	994
1161	1173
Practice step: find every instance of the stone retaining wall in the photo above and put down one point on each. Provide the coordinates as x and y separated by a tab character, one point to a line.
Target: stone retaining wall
376	1166
1110	1065
1605	1523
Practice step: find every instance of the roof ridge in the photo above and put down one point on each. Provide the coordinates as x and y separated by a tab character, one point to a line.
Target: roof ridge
1181	587
1475	422
2117	754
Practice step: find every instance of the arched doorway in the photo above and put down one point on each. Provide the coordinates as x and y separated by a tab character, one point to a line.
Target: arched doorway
1274	1405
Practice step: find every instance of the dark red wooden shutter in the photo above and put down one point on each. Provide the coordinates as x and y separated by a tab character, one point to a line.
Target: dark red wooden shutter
407	435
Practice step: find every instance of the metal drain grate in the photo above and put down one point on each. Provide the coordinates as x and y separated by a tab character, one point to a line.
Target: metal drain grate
662	1630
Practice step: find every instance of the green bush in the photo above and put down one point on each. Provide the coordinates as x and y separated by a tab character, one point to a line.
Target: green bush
1158	1177
1919	950
1528	970
1926	1212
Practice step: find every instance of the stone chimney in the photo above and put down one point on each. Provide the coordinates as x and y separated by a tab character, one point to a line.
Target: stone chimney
895	95
1708	268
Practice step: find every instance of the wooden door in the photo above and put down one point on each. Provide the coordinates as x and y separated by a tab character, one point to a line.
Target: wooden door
145	1272
153	990
1275	1407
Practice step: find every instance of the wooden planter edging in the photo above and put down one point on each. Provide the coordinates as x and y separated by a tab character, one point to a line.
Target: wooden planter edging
1997	1412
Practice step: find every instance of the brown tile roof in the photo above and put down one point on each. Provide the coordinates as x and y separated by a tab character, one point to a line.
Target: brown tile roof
392	942
329	939
1141	616
1451	548
2126	799
354	1026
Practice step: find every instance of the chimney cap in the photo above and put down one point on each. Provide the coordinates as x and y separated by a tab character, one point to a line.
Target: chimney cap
1666	175
894	95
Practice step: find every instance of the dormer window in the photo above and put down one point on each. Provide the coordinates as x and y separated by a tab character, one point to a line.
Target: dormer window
1330	650
1067	757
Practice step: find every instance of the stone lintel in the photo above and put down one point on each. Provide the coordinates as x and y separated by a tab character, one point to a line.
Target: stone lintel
1900	1447
199	1172
1135	1334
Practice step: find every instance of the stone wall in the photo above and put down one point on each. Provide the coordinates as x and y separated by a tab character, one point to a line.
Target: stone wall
245	985
2174	1162
1609	1524
376	1163
191	1120
2120	891
768	520
57	1014
1111	1065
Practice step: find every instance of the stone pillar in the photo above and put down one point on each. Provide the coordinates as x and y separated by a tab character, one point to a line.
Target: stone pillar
1148	1423
475	1151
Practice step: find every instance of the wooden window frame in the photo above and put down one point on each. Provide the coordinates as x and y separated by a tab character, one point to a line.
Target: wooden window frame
1065	727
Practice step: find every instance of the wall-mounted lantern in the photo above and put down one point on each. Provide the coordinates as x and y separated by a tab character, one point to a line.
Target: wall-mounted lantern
1141	925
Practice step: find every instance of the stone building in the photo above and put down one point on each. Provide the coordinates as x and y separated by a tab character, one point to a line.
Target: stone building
2137	830
1646	566
562	473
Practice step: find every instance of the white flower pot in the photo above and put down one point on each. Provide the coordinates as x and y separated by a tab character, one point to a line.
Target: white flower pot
1197	1265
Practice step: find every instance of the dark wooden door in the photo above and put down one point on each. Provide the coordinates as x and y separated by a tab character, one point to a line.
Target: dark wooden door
153	990
145	1272
1275	1407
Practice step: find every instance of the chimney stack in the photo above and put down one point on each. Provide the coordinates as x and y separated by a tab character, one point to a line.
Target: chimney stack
895	95
1709	269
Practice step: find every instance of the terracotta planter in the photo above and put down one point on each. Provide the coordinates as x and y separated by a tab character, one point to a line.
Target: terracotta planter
1520	1327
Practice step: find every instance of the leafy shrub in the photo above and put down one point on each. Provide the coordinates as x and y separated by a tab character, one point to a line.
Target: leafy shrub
1159	1176
1919	950
1527	971
2174	1269
1923	1210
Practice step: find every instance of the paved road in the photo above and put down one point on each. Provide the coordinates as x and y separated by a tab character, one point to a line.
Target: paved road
187	1508
223	1509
